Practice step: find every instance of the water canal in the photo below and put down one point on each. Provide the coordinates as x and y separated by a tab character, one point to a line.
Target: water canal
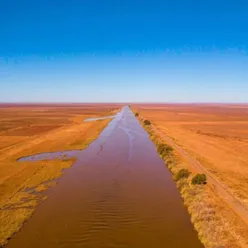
118	193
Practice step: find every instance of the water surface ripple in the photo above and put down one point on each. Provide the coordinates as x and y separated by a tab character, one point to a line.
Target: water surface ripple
117	194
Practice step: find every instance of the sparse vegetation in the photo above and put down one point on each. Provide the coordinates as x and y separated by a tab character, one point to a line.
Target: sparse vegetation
221	129
164	149
199	179
147	122
182	173
136	114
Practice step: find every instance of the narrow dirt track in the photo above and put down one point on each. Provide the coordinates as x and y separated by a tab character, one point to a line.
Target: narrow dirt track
220	189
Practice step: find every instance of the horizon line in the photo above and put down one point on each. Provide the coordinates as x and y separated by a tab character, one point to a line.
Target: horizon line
149	102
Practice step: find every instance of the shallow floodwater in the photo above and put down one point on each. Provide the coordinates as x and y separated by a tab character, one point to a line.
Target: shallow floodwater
99	118
117	194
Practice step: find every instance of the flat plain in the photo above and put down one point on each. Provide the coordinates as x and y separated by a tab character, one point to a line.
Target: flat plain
216	135
30	129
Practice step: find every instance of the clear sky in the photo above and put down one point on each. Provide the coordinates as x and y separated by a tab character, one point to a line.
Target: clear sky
123	51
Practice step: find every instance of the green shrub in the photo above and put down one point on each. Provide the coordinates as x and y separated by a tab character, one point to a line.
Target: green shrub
164	149
183	173
199	179
136	114
147	122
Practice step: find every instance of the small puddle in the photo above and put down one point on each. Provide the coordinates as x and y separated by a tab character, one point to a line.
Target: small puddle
118	193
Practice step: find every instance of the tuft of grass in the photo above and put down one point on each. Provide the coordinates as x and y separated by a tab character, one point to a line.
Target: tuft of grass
164	149
147	122
136	114
182	173
199	179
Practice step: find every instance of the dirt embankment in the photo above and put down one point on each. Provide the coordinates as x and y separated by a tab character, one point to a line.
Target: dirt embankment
217	216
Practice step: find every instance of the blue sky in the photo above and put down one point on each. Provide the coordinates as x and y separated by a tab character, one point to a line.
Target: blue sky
124	51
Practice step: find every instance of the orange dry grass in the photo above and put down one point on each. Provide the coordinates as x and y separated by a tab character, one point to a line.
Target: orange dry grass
217	136
50	129
18	122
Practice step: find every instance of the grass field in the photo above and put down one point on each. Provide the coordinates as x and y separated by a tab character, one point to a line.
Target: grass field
32	129
216	136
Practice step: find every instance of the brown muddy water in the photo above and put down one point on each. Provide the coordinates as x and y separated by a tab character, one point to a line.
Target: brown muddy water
118	194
